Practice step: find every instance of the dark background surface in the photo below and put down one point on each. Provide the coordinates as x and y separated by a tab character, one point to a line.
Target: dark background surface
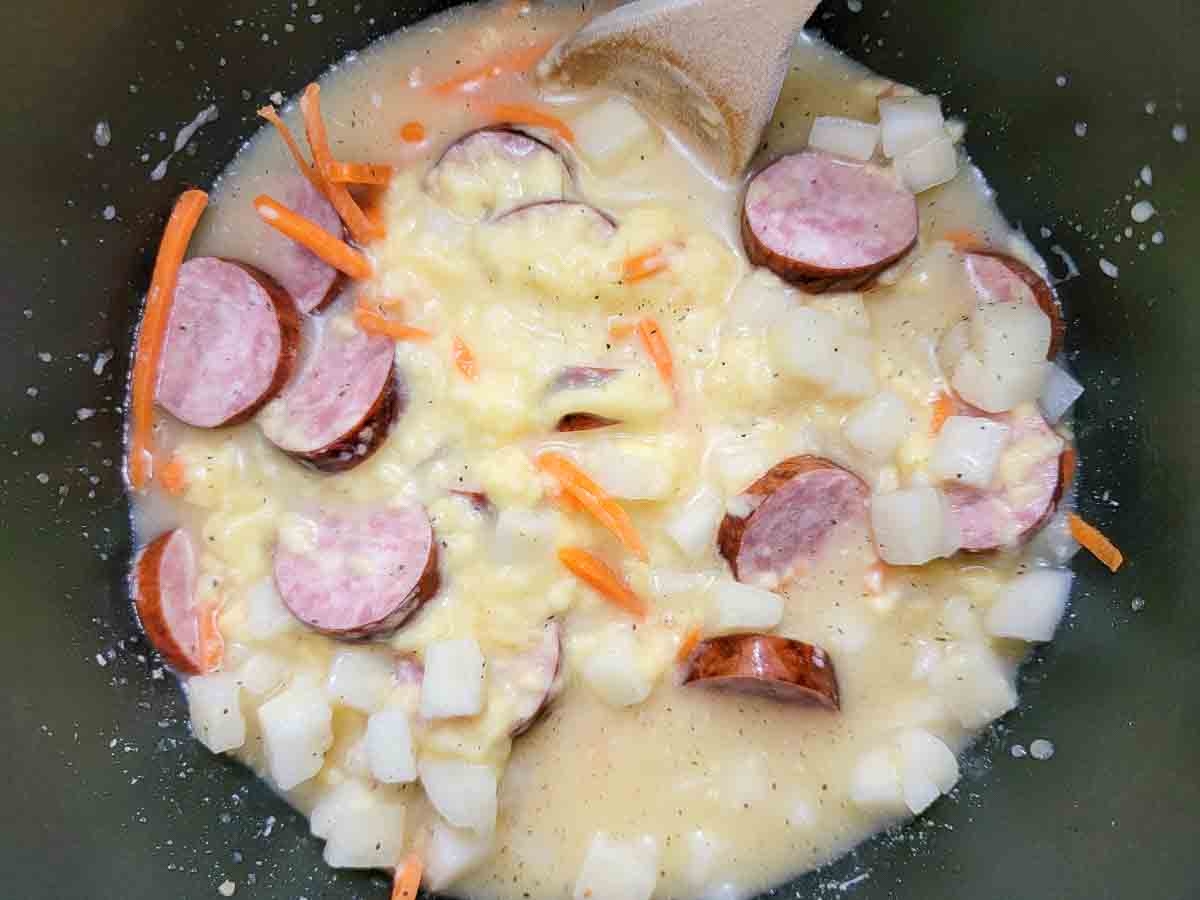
102	793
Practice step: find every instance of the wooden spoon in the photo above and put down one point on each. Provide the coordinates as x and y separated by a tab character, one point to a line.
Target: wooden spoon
713	66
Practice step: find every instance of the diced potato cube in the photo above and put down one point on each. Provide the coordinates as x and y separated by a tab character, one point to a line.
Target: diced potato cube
362	828
913	526
216	710
879	425
693	526
453	684
928	769
611	133
463	793
875	781
974	685
613	670
845	137
618	870
967	450
361	679
389	747
1030	607
742	607
297	730
453	853
908	123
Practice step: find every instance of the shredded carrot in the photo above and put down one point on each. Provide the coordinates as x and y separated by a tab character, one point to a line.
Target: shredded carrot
690	640
644	265
304	231
269	113
619	330
964	239
524	114
656	345
359	226
578	484
597	575
1066	467
373	323
1096	543
370	301
358	173
153	333
408	878
172	477
464	359
212	644
512	62
412	132
943	408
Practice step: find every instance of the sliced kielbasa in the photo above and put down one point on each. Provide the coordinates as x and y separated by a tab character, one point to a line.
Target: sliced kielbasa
493	170
1022	496
311	281
338	409
355	575
231	343
1000	278
531	680
164	592
793	510
767	666
821	222
575	378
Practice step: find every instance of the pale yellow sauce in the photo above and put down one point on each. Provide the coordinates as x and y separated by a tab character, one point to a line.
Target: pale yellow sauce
733	790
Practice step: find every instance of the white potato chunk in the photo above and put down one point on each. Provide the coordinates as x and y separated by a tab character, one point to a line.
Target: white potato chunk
954	343
878	426
362	828
266	616
974	685
875	781
844	137
453	853
1010	334
453	683
702	849
524	535
909	123
929	165
389	746
760	300
913	526
613	671
618	870
463	793
1054	544
361	679
693	525
741	607
1059	394
612	133
216	710
928	769
632	470
261	674
997	389
297	730
814	345
1030	606
967	450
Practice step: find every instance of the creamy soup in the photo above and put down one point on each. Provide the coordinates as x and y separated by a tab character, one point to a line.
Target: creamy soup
606	528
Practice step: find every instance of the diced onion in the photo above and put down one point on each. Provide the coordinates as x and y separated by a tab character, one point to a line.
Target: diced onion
1059	394
929	165
909	123
844	137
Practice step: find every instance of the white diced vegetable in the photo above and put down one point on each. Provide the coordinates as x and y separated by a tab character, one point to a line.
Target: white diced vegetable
523	535
974	685
1054	544
463	793
909	123
954	343
967	450
879	425
997	389
453	853
702	847
672	582
390	747
1030	607
1059	394
361	679
612	670
618	870
611	132
814	345
261	674
631	470
453	684
854	371
741	607
297	730
1010	334
929	165
875	781
216	710
928	769
362	828
844	137
748	782
913	526
266	616
760	300
693	526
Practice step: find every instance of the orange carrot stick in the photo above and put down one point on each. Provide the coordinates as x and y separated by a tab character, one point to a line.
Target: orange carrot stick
408	878
943	408
212	643
656	345
524	114
593	572
1096	543
304	231
1066	467
619	330
269	113
513	62
173	478
644	265
964	239
690	640
412	132
153	333
578	485
373	323
359	226
464	359
359	173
